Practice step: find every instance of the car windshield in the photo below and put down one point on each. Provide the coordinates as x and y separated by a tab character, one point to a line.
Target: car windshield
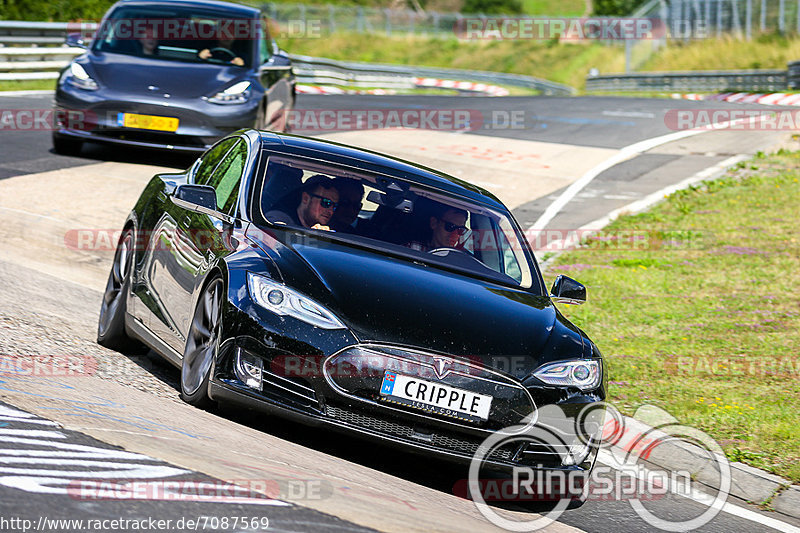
387	213
176	34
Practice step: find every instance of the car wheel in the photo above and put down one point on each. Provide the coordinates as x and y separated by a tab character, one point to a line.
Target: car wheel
111	323
202	345
66	146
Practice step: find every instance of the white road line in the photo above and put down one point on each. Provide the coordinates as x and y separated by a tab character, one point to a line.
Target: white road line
40	422
43	461
27	93
640	205
623	155
10	411
39	433
17	452
37	215
705	499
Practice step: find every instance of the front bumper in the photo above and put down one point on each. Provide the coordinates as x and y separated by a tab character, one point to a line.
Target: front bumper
93	116
301	387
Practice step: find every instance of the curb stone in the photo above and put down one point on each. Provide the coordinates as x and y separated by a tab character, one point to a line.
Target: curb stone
788	501
666	451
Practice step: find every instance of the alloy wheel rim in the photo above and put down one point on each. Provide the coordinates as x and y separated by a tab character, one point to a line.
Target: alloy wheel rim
116	282
201	344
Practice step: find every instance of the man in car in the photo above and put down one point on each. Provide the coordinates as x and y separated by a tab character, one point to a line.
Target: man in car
224	50
318	201
446	228
148	43
351	194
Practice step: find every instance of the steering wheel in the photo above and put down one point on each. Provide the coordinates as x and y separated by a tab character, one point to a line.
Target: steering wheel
440	251
226	54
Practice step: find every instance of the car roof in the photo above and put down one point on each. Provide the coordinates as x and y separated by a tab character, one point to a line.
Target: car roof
340	153
244	11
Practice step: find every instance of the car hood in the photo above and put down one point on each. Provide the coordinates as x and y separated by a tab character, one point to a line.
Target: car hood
385	299
132	74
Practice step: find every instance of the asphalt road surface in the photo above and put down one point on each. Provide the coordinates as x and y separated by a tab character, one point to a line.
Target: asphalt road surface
124	420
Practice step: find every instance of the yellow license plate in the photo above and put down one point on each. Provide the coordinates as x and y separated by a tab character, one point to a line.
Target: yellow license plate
147	122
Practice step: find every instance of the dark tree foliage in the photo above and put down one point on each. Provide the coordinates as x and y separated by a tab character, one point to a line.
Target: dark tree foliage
53	10
491	7
616	8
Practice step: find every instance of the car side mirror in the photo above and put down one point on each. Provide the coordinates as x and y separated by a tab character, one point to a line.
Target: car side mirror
200	198
568	291
76	40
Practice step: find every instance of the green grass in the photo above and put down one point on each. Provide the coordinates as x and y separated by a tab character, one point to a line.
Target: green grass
562	8
702	317
28	85
567	63
564	63
768	51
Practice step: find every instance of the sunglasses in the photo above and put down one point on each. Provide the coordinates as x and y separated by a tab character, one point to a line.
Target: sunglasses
449	227
326	203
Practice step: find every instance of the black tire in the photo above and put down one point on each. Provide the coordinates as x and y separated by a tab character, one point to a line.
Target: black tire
202	346
111	322
66	146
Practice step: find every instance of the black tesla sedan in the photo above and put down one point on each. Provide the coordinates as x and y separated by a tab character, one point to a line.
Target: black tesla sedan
345	288
172	74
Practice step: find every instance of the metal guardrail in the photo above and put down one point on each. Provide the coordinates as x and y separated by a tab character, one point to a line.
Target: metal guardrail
700	81
318	70
42	62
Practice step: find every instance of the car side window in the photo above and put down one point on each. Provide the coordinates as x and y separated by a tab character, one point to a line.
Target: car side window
228	176
211	159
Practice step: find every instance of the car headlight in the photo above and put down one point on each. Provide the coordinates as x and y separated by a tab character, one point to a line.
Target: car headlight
584	374
238	93
282	300
77	76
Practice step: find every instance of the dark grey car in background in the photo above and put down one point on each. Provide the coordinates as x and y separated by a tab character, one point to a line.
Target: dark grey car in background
211	68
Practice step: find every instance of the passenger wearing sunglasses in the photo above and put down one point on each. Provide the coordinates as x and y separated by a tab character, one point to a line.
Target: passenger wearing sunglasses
318	202
446	230
351	195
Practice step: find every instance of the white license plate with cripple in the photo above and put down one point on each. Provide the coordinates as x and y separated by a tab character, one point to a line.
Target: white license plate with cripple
435	397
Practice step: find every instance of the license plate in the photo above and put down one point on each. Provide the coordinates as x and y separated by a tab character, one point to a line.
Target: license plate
435	397
147	122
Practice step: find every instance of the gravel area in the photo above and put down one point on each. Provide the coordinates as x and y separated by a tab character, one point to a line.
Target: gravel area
50	324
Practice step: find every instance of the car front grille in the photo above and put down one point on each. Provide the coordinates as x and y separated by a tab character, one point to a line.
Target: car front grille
166	139
437	438
367	365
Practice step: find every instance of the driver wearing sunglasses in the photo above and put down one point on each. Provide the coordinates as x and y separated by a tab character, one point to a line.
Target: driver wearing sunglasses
446	230
318	202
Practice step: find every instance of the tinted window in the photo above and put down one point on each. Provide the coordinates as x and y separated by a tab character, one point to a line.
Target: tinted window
179	34
211	159
228	176
389	213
